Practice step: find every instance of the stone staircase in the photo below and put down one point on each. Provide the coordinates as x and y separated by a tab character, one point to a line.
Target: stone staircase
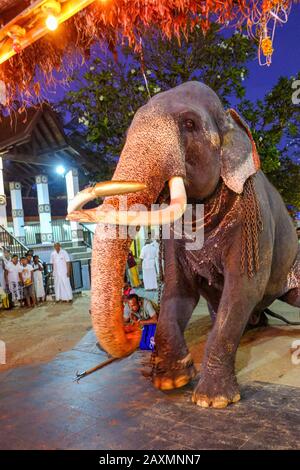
78	253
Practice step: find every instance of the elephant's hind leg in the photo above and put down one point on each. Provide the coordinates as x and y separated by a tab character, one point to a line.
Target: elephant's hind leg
292	295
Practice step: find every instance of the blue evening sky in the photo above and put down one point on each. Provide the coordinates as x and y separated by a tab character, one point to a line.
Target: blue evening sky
286	61
286	58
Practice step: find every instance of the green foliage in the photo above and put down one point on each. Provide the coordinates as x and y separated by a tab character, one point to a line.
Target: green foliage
105	97
275	126
107	93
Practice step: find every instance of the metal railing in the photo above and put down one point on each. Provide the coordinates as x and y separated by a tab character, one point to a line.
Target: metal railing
88	235
8	241
89	270
61	231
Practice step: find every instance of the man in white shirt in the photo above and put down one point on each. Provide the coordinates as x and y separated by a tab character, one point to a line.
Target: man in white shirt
12	278
148	256
139	310
61	273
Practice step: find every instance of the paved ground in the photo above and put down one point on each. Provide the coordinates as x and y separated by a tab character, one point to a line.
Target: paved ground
37	335
117	408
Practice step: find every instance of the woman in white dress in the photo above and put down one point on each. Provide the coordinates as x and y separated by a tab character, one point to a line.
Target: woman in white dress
38	279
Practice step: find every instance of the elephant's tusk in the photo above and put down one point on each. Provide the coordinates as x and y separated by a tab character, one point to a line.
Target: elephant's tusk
108	188
158	217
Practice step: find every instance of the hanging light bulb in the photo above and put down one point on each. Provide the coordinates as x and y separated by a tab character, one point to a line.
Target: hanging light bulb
51	9
51	22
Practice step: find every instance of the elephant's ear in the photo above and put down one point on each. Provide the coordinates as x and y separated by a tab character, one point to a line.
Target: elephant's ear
239	157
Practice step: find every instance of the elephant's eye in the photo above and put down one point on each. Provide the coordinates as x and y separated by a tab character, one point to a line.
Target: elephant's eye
189	125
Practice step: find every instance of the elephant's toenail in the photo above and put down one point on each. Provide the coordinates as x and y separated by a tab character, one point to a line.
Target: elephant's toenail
167	384
181	381
203	403
236	398
220	402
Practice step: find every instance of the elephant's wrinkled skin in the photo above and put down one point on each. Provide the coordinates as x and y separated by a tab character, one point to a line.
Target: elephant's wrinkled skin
210	149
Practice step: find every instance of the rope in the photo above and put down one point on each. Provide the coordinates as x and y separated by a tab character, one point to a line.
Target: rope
280	317
160	266
160	285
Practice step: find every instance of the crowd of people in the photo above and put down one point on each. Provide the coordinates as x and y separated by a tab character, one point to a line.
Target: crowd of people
23	278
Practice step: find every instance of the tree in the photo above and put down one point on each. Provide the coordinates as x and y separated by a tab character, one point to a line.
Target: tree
275	126
104	98
106	95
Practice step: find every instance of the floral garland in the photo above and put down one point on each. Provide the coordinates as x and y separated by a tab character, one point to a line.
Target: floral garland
262	22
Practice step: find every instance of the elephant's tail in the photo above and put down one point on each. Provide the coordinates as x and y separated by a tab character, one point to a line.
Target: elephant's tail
280	317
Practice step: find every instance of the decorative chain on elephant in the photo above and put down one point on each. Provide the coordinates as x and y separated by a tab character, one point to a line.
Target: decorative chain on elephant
252	226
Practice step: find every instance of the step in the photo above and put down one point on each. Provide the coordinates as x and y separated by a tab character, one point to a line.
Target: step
78	249
69	244
81	256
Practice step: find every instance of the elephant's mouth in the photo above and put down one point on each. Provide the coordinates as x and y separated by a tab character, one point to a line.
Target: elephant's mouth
173	191
164	196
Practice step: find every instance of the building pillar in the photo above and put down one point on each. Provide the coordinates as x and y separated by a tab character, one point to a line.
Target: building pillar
17	210
44	208
72	183
3	215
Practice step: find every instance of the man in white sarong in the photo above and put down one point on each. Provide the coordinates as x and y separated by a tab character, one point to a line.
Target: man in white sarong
61	273
156	246
148	256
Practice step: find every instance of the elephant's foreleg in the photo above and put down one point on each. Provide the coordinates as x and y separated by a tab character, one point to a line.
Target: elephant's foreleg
174	366
218	386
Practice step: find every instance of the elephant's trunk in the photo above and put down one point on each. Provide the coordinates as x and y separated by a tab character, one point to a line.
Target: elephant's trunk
108	268
151	156
109	259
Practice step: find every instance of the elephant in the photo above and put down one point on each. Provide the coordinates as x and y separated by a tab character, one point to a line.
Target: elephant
183	147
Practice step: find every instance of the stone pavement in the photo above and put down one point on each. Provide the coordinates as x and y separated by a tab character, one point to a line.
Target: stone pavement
117	408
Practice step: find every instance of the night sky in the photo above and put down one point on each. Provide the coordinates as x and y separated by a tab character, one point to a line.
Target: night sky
286	58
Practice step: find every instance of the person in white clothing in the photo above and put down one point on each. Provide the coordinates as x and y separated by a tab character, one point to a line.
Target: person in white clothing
26	278
156	246
148	256
12	272
38	279
6	258
61	273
